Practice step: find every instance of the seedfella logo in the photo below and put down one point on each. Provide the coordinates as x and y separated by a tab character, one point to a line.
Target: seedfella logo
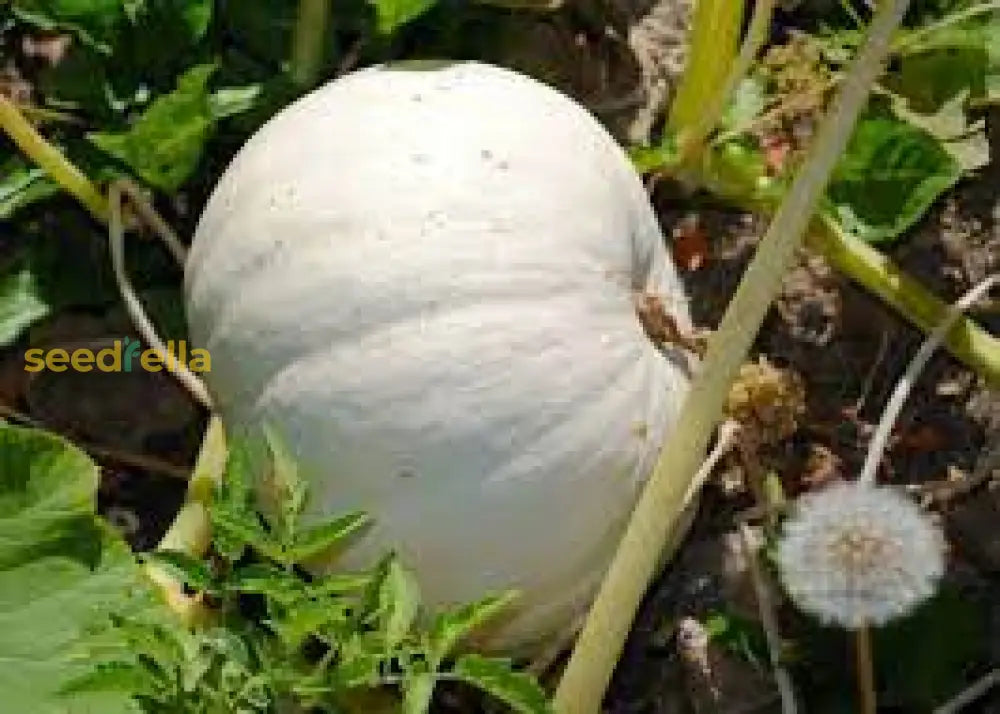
121	356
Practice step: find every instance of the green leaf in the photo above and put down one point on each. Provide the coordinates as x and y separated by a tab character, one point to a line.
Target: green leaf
194	573
448	628
319	540
391	14
59	569
417	692
230	101
21	301
746	106
890	175
165	145
21	185
949	123
285	490
496	677
398	601
93	21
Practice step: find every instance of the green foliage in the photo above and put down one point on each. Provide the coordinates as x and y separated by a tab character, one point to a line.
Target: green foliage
59	567
282	634
21	302
81	632
165	144
891	174
391	14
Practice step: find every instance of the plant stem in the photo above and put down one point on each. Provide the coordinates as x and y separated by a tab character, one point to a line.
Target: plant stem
966	340
866	670
692	140
190	532
769	621
713	40
51	160
309	41
894	406
655	517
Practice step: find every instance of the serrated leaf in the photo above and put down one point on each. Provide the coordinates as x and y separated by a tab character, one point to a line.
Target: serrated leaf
417	692
306	618
448	628
398	603
390	15
273	583
496	677
165	145
319	540
59	570
193	572
888	178
233	530
285	490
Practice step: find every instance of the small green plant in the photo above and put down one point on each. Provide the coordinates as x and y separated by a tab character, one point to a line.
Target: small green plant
276	634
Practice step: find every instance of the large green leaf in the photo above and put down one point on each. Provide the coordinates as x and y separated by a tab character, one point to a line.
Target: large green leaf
890	175
59	569
165	145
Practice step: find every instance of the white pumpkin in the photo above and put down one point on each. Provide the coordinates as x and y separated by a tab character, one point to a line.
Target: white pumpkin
423	275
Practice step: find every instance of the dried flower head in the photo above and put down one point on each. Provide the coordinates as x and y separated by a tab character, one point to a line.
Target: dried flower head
856	555
767	401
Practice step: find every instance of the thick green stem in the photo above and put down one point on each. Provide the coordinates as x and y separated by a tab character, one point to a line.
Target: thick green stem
966	341
51	160
309	41
656	515
191	531
714	37
693	137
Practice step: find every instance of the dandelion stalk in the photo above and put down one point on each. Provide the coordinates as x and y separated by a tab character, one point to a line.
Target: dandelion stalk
866	670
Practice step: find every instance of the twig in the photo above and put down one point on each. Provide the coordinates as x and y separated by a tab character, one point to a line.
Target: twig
151	464
866	670
116	239
905	384
768	620
655	517
728	434
970	694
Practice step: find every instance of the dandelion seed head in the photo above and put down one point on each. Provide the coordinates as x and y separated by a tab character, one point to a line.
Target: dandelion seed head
856	555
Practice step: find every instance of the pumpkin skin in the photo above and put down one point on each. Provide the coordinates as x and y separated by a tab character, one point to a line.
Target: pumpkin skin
423	276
